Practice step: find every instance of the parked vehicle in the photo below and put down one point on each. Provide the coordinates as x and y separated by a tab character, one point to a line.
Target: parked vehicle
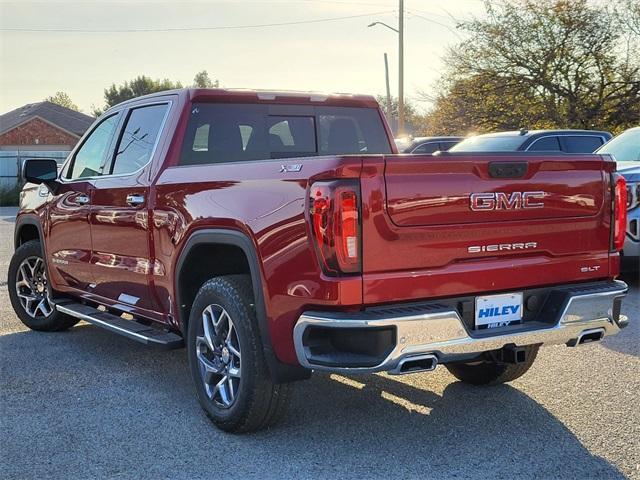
625	149
275	234
431	144
566	141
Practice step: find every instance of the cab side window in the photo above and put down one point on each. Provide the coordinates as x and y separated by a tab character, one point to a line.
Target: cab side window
89	159
545	144
444	146
429	147
138	138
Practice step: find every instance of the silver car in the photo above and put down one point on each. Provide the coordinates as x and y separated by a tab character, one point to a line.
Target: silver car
625	149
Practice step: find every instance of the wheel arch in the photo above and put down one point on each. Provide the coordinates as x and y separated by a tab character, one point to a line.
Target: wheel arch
280	372
25	229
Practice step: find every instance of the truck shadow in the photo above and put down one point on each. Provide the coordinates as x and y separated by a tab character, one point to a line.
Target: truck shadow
126	411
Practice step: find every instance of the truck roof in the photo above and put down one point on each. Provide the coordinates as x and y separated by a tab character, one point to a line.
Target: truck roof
232	95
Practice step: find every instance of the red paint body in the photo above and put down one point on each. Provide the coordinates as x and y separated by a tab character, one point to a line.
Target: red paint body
416	225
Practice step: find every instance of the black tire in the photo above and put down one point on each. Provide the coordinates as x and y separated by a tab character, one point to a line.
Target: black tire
258	402
54	320
491	372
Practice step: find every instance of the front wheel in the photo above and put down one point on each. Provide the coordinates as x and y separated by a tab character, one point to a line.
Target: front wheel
30	292
491	372
226	359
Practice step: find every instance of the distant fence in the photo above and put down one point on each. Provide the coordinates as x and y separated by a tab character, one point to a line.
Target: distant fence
11	164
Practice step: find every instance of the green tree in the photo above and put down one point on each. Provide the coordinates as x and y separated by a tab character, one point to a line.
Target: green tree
411	115
202	80
62	99
141	85
542	63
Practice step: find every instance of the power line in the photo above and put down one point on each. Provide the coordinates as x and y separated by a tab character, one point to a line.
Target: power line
189	29
349	4
436	22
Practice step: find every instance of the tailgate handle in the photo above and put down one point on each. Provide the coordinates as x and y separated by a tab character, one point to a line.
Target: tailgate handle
507	169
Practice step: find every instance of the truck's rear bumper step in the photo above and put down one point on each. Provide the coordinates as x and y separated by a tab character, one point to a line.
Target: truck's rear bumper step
383	339
127	328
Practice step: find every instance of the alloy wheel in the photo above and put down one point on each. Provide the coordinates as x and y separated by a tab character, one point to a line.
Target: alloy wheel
32	288
218	353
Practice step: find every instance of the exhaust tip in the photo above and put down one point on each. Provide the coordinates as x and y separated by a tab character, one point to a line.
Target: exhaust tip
415	364
588	336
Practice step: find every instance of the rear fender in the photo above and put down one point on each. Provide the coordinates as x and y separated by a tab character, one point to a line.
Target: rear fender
280	372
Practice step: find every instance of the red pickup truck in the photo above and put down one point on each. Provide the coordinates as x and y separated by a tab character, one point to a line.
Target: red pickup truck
274	234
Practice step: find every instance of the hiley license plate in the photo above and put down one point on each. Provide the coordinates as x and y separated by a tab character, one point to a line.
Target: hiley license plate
498	310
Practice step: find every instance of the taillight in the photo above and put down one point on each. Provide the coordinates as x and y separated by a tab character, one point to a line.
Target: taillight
334	212
619	211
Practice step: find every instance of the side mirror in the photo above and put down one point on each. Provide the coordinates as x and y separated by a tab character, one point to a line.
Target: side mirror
40	170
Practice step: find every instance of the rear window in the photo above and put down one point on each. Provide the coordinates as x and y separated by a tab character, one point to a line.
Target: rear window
489	144
218	133
625	147
582	143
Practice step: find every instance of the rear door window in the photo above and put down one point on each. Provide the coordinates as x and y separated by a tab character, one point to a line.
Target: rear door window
138	138
545	144
582	143
218	133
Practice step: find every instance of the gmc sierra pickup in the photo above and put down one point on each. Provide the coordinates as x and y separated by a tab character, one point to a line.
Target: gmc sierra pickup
274	234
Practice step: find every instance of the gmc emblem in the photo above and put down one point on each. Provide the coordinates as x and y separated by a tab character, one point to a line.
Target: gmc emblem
503	201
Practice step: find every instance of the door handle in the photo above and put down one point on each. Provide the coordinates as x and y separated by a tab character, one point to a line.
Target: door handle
135	199
82	199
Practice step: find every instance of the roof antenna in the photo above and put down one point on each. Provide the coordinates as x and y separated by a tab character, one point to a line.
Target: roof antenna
523	131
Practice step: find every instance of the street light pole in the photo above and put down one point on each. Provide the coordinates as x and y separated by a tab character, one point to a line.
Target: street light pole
400	32
401	70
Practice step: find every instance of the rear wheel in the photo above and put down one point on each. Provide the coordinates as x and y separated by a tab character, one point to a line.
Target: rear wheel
30	292
226	359
491	372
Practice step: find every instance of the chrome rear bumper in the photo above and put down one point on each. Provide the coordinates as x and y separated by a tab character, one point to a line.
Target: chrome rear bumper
432	329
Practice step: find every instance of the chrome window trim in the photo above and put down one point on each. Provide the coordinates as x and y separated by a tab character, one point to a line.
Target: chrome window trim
169	103
604	140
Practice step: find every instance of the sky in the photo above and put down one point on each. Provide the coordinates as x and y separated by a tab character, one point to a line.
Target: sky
82	47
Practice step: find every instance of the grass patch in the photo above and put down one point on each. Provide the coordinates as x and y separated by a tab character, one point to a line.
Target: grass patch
9	197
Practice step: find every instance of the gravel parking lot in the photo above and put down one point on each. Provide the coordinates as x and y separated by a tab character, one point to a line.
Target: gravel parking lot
88	404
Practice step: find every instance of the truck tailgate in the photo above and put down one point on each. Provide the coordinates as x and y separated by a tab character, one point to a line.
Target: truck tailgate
463	224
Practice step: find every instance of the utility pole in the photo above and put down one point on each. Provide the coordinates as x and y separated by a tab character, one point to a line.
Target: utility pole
386	77
401	70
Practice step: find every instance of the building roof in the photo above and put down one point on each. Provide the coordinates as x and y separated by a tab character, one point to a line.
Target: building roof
64	118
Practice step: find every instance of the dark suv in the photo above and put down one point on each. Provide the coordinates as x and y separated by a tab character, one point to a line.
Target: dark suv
431	144
567	141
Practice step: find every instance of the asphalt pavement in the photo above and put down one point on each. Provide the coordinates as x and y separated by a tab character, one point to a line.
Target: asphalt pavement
88	404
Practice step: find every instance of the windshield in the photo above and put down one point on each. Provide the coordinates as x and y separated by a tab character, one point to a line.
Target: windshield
625	147
489	144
